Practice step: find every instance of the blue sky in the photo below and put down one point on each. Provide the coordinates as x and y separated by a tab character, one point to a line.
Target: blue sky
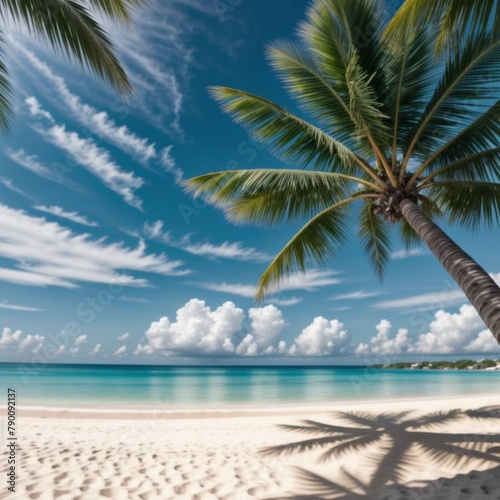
103	258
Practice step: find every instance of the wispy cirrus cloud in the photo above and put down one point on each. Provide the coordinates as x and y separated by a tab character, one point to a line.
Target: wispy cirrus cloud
358	295
98	122
160	55
72	216
35	109
225	250
412	252
14	307
168	164
134	299
432	300
309	281
48	254
33	164
97	161
231	288
292	301
7	183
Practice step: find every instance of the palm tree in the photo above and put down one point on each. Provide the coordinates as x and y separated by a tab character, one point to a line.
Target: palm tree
453	17
393	137
70	27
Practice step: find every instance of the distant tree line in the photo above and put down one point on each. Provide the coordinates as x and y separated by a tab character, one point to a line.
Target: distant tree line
463	364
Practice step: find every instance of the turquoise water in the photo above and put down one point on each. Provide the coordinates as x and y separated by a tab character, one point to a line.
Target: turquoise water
120	386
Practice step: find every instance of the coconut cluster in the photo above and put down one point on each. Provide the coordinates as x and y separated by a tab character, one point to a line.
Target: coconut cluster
388	204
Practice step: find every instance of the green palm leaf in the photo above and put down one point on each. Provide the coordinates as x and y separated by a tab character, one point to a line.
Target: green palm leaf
70	28
374	236
344	39
289	137
304	81
119	10
479	135
411	72
478	60
479	167
5	89
468	203
270	196
452	18
312	244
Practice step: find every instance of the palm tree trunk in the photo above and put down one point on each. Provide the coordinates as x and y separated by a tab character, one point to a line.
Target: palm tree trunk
482	292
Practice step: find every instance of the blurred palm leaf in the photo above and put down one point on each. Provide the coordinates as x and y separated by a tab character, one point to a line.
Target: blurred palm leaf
451	16
71	29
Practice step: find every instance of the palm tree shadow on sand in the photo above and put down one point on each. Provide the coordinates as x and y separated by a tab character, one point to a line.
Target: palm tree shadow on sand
392	439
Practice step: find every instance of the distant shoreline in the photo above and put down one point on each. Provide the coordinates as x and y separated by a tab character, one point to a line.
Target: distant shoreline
463	364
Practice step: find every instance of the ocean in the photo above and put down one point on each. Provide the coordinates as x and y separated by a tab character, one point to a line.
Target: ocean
111	386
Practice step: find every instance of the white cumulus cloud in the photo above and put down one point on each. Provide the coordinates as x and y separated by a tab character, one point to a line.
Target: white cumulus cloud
121	350
81	339
96	349
199	330
450	332
384	343
322	337
17	341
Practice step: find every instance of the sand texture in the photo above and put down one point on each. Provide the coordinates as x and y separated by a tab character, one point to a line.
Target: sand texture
432	449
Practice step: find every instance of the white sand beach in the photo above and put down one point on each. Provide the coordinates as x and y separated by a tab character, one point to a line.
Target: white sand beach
216	454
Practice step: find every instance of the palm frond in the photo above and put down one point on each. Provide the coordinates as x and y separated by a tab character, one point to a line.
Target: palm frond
410	74
5	90
364	107
374	236
70	28
315	95
479	135
408	236
449	17
270	196
480	167
314	243
468	15
289	137
344	39
450	106
468	203
415	14
119	10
